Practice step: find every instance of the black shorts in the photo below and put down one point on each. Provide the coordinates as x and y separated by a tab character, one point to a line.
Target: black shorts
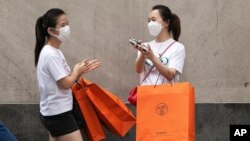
60	124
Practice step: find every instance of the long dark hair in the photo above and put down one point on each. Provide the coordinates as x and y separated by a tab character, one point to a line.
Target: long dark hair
167	15
49	19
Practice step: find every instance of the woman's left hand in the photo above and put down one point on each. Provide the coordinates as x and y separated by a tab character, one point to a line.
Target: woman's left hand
149	53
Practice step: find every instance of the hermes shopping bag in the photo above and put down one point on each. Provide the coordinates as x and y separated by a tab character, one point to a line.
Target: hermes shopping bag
114	114
165	112
93	126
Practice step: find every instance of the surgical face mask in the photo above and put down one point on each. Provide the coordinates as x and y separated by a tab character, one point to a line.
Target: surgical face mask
154	28
64	33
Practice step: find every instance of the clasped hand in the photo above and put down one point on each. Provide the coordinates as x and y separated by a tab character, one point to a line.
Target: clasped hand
145	51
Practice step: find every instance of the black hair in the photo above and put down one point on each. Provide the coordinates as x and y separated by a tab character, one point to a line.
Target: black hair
49	19
167	15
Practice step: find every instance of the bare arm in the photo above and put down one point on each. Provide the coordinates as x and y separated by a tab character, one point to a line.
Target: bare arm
79	69
139	63
68	81
168	73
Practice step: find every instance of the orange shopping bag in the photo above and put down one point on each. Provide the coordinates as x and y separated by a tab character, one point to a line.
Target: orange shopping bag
165	113
111	110
94	128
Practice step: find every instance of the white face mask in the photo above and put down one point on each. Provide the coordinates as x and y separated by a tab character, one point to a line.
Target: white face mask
64	33
154	28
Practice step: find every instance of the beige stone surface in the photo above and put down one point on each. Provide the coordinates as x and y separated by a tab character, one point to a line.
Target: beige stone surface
215	32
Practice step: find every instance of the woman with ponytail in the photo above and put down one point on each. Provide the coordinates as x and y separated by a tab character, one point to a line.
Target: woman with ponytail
55	77
163	60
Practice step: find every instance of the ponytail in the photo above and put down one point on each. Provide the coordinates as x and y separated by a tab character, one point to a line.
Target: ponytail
175	26
173	19
40	38
49	19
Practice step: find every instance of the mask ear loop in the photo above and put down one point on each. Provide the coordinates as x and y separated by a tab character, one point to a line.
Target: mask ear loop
53	30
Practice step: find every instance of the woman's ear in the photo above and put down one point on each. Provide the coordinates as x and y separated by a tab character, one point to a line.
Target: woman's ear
52	31
166	23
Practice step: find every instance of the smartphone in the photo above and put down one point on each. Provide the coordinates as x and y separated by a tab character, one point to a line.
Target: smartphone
135	42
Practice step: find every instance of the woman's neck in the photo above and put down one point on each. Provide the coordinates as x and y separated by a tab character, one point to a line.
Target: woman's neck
54	42
163	36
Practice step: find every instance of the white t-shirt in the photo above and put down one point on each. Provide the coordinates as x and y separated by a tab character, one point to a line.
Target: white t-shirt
52	67
173	58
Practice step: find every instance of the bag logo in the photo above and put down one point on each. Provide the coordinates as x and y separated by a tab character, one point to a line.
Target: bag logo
161	109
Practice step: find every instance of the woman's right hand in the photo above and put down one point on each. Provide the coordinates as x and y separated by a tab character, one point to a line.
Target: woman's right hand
142	48
138	45
79	69
86	66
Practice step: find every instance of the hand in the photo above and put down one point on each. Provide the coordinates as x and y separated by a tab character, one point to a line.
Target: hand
92	64
148	54
137	44
86	66
142	48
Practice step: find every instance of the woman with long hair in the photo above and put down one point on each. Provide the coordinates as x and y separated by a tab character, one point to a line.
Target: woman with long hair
163	59
55	77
